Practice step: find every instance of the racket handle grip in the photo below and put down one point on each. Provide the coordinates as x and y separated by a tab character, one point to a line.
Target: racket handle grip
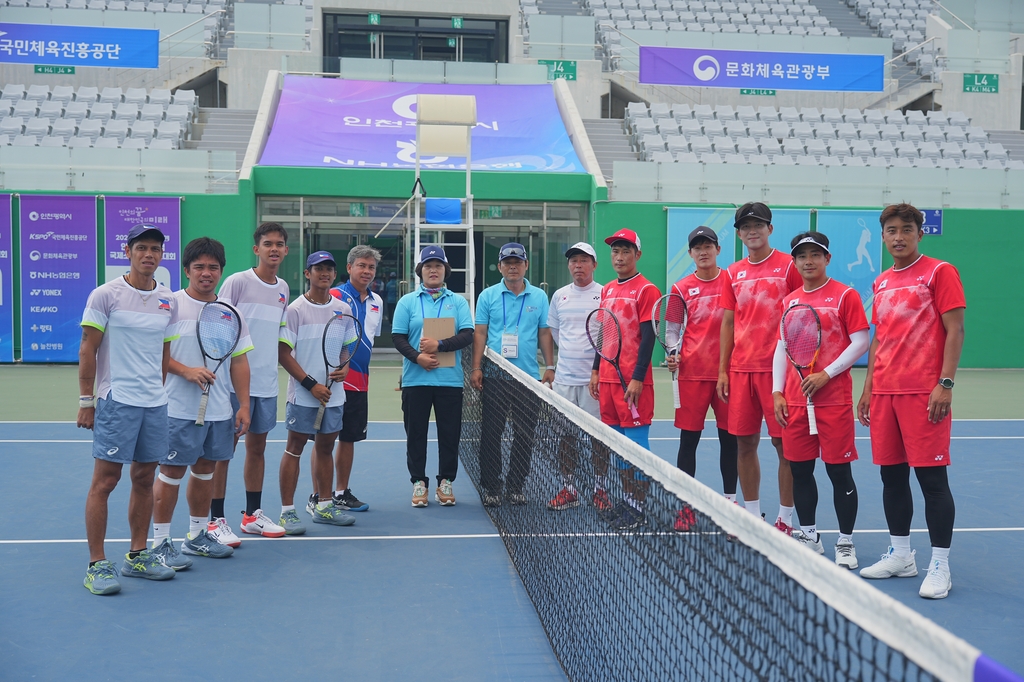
201	419
812	423
675	392
319	416
632	411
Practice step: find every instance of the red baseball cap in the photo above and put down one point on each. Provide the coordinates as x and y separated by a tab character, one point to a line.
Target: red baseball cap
624	235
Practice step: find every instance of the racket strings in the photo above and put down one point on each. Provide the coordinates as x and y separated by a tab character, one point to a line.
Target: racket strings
801	334
218	331
341	340
670	320
604	334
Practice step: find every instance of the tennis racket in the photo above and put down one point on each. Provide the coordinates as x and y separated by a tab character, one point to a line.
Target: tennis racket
801	337
669	319
341	341
217	331
605	336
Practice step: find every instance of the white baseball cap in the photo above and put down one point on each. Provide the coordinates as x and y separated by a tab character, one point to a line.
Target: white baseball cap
581	247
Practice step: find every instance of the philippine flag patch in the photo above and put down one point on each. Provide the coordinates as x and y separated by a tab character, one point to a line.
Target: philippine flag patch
374	308
282	299
164	304
226	316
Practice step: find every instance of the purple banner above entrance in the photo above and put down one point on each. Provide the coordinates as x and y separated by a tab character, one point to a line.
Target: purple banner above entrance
334	123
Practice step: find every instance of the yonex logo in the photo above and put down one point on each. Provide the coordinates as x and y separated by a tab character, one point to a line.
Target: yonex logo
921	278
829	299
777	270
113	451
172	454
706	68
938	458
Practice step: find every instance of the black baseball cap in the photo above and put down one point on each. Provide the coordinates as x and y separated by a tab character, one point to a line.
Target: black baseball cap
702	232
753	209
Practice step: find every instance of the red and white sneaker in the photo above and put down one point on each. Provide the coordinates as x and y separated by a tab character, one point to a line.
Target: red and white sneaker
565	499
601	501
685	520
219	530
781	526
260	524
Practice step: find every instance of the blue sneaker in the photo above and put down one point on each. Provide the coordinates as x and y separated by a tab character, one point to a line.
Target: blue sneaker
332	515
204	545
146	565
170	557
101	578
629	517
349	502
291	523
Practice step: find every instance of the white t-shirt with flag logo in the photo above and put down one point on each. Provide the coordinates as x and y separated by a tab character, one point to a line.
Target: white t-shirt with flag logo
304	333
183	396
264	307
129	362
567	318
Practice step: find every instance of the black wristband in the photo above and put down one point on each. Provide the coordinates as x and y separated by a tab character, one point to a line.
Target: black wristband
308	383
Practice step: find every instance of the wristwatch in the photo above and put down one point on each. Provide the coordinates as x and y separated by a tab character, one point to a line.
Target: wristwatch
946	382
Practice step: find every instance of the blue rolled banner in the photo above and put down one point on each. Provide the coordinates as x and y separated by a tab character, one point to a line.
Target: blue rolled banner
6	281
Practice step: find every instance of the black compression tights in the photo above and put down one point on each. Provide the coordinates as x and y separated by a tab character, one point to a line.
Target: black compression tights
686	460
939	509
844	493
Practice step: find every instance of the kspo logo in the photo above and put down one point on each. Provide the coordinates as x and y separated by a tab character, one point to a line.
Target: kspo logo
706	68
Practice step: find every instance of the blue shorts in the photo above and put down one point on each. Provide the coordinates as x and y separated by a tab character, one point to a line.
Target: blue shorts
262	412
125	433
187	442
301	419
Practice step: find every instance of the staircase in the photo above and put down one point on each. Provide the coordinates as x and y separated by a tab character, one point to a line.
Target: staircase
223	129
610	143
1012	140
844	19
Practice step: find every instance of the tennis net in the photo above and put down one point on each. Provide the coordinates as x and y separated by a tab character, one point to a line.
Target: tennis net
700	589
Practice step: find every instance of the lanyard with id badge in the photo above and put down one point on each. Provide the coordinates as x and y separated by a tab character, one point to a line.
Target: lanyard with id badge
510	342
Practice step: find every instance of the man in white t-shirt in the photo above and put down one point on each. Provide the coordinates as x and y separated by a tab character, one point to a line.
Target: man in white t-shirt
191	446
567	318
122	354
262	299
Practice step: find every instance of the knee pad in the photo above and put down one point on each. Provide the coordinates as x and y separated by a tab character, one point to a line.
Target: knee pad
201	477
168	480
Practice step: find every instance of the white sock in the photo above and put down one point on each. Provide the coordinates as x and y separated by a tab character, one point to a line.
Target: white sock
339	493
900	545
848	538
287	508
569	484
941	554
321	505
731	497
810	531
160	531
786	514
196	525
753	506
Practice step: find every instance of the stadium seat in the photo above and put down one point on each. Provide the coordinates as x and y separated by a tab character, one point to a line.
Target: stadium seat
25	109
52	142
87	93
25	141
102	111
111	95
63	94
77	142
11	126
76	111
38	93
51	110
37	127
126	112
106	143
91	128
117	129
64	129
14	93
162	144
135	96
160	96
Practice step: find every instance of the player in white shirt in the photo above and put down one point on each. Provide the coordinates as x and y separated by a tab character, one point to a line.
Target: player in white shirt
192	446
122	353
262	299
567	318
301	355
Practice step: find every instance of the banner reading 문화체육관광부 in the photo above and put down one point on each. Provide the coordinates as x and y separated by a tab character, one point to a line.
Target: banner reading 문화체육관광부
58	271
334	123
712	68
6	281
123	213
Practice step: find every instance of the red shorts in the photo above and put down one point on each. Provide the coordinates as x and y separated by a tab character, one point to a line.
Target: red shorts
750	400
901	432
695	397
834	441
614	410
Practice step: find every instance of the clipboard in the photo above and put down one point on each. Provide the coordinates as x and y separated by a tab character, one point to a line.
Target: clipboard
440	328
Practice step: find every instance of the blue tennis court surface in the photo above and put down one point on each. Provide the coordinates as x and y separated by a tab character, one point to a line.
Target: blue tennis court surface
407	593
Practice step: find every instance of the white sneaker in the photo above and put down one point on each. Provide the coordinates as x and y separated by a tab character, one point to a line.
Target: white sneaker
806	541
219	530
891	566
419	494
936	584
846	555
260	524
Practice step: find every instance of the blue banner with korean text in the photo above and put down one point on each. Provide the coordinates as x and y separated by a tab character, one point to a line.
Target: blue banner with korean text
710	68
6	281
48	44
58	272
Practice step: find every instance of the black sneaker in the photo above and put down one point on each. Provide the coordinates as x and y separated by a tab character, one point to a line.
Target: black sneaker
516	499
349	502
314	499
629	518
492	500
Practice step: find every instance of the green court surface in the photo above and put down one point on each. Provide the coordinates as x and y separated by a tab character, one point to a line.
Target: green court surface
50	393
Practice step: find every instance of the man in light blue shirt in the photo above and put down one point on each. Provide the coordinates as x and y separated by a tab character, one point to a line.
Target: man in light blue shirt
511	319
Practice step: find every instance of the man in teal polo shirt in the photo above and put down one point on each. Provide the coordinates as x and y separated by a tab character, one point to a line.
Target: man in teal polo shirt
511	319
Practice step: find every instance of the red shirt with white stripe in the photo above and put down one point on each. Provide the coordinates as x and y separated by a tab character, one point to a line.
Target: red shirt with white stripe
633	303
907	314
755	294
698	360
841	313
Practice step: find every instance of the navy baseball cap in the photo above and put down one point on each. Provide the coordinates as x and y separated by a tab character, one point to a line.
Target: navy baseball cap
318	257
512	250
702	232
433	253
753	209
138	231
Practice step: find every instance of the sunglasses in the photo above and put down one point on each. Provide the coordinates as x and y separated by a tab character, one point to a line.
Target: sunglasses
514	252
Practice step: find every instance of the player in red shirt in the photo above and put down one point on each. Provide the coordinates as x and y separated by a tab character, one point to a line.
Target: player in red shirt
698	360
631	297
919	332
844	338
750	329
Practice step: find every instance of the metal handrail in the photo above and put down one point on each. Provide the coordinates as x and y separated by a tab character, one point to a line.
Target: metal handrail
969	27
906	52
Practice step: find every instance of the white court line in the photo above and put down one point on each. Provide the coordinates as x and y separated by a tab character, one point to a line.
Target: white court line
667	421
470	536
